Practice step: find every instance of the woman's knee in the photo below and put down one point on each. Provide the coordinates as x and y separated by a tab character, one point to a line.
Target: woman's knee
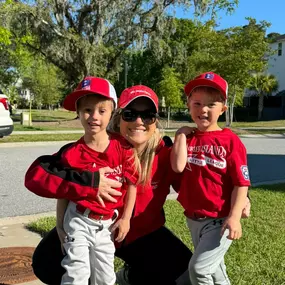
47	259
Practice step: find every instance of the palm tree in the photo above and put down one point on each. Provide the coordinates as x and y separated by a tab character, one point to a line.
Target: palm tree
262	85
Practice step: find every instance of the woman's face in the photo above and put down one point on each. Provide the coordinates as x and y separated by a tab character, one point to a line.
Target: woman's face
139	131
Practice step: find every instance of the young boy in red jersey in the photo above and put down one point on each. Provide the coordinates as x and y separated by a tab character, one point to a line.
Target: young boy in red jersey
215	180
84	225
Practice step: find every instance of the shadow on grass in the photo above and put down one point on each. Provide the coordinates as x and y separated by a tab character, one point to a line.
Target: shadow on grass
273	187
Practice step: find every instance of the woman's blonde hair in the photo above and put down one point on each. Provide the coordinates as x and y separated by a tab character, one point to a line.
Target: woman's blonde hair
142	160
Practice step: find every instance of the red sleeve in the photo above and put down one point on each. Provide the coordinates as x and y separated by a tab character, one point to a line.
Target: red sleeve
46	177
237	164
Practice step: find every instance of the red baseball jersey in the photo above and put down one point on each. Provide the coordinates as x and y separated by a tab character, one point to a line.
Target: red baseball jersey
118	156
47	177
216	162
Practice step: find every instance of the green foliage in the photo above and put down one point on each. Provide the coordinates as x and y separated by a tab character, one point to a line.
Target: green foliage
12	93
171	88
44	82
262	85
83	38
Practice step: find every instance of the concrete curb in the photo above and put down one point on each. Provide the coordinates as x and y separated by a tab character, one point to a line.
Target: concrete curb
24	219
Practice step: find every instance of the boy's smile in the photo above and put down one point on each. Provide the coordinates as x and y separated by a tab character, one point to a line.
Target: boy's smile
205	109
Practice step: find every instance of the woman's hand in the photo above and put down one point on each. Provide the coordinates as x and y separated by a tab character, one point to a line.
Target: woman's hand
106	187
124	226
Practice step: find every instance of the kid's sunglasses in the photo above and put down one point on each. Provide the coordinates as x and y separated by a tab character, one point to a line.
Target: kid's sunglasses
148	117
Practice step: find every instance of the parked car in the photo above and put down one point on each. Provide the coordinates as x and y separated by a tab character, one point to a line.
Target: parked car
6	123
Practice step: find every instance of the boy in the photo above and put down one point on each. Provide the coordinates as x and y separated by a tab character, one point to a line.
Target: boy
84	226
215	180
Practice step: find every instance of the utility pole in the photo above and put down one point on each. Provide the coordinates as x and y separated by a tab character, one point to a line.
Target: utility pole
126	73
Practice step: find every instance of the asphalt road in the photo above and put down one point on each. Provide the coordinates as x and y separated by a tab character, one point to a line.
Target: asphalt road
266	157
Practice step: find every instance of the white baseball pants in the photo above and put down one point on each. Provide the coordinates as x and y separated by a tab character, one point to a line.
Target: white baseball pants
89	250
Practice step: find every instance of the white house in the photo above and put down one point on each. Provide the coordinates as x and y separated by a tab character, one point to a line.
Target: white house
276	62
23	92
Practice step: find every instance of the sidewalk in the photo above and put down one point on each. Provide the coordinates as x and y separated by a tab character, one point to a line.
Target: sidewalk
13	234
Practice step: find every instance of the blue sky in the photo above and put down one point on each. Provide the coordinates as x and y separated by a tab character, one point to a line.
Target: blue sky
272	11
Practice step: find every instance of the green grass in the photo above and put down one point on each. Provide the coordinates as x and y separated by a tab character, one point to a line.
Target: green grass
47	115
267	124
257	258
19	127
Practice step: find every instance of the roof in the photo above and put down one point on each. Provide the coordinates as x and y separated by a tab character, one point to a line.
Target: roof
280	38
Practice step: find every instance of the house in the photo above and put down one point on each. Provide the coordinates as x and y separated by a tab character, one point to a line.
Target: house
23	92
276	62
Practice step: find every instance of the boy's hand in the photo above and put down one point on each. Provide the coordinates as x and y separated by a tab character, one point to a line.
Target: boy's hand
124	226
234	226
185	130
61	234
246	210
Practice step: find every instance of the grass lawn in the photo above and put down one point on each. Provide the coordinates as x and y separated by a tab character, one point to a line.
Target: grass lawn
39	127
266	124
256	259
47	115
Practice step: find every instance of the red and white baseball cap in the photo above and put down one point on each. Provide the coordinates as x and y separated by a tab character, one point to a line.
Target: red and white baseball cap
90	85
137	91
209	79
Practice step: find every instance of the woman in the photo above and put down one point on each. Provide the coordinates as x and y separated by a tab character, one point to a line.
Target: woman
152	254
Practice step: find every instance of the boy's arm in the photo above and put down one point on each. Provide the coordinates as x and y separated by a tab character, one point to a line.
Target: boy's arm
60	211
232	223
178	156
47	177
123	224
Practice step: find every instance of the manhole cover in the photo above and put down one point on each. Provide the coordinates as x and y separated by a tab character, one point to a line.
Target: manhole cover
15	265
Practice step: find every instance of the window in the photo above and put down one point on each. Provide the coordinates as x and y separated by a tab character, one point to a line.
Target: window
279	49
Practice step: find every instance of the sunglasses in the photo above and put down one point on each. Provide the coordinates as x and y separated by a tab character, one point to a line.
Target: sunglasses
148	117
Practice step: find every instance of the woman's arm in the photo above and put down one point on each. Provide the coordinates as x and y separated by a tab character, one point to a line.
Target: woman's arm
47	177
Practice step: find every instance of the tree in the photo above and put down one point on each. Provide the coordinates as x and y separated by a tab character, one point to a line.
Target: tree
271	37
262	85
233	53
44	82
171	88
91	37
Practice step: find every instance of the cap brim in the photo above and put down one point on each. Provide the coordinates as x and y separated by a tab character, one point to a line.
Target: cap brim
203	82
70	100
155	106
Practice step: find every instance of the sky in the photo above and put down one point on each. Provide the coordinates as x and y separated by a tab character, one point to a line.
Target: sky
272	11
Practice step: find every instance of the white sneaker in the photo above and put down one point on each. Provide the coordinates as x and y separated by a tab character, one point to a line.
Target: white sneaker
122	277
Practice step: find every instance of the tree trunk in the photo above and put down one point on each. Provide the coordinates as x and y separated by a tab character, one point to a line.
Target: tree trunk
260	106
228	123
